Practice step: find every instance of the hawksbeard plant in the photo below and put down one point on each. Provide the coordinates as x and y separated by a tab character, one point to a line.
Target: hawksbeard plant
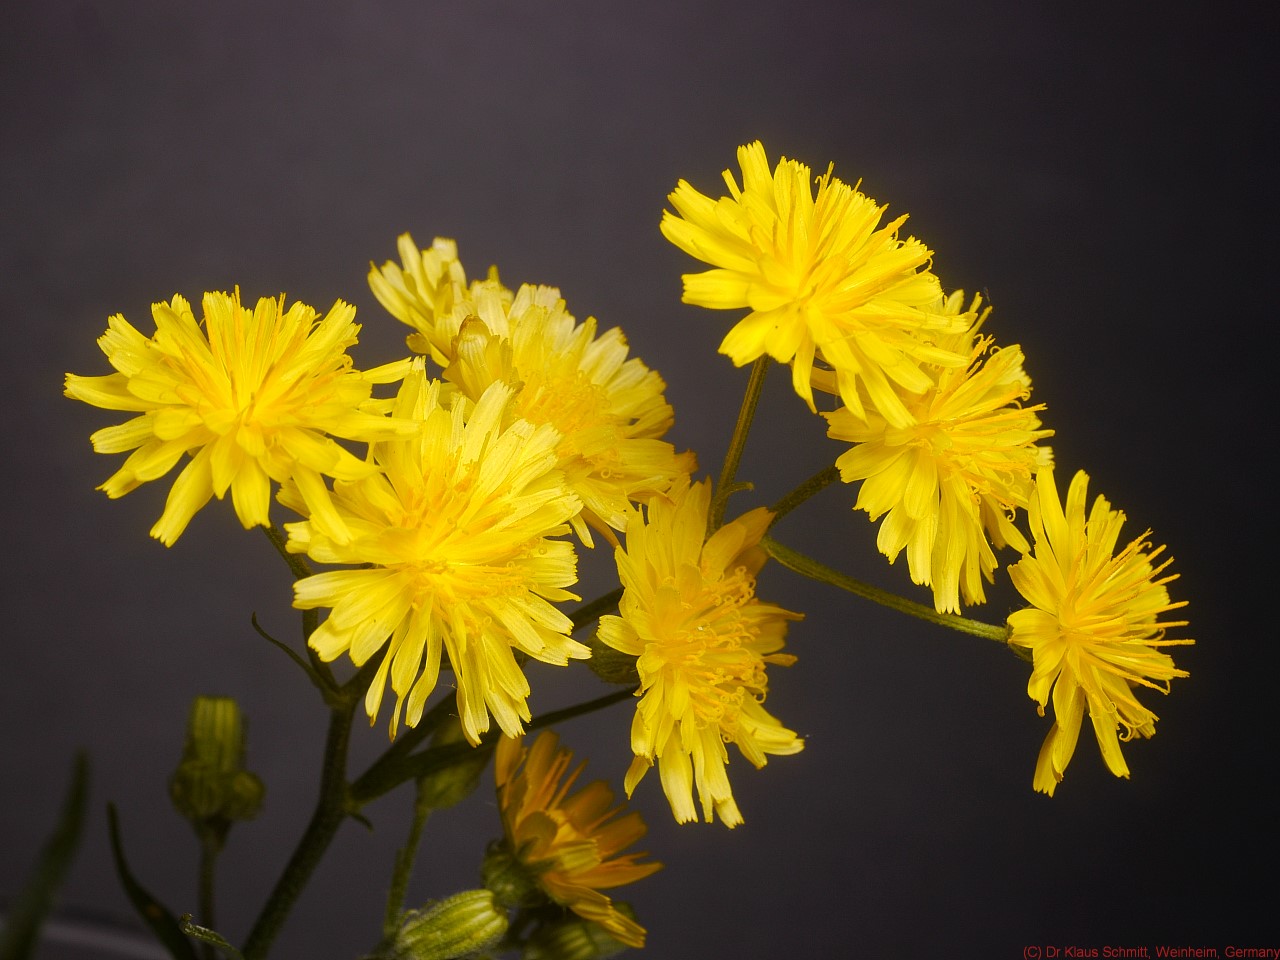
438	509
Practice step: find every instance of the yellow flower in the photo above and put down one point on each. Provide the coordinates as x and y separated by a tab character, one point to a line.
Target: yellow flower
822	279
570	844
948	481
609	410
690	614
1093	626
453	536
252	394
424	290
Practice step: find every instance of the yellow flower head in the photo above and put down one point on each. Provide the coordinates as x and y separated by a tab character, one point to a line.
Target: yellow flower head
250	393
453	539
423	291
570	844
948	482
821	277
690	614
609	410
1093	627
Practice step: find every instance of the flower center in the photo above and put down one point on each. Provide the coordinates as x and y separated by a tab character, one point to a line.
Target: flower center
707	647
571	403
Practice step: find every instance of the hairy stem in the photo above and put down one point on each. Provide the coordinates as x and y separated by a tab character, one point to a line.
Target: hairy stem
819	481
388	773
594	609
295	562
310	618
400	753
808	567
737	443
331	810
404	862
209	848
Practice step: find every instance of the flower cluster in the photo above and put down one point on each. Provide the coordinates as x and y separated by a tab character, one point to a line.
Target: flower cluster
516	435
945	445
609	410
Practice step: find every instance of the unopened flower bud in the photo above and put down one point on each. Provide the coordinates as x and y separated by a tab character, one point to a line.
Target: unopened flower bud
243	798
504	874
459	926
575	939
610	665
456	782
210	786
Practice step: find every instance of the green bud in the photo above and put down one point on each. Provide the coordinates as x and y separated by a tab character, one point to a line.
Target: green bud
502	873
215	733
210	787
575	939
454	783
610	665
459	926
243	799
196	790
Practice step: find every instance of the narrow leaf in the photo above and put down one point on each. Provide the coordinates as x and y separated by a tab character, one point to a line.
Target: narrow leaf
153	913
21	932
209	936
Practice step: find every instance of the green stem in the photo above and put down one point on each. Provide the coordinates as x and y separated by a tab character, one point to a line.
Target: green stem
399	753
404	862
295	562
210	845
383	778
595	608
388	773
209	848
819	481
322	679
746	413
331	810
578	709
310	618
808	567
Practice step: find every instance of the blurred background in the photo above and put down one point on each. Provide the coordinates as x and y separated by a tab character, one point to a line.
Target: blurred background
1097	172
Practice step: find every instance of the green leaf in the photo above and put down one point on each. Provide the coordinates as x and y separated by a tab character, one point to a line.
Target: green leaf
326	686
209	936
21	932
153	913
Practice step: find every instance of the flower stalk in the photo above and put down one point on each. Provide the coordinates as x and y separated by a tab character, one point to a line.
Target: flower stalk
206	886
808	567
331	809
392	769
404	860
737	443
815	484
585	614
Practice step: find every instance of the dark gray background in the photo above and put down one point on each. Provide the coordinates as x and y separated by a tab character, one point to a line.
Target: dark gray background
1100	175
